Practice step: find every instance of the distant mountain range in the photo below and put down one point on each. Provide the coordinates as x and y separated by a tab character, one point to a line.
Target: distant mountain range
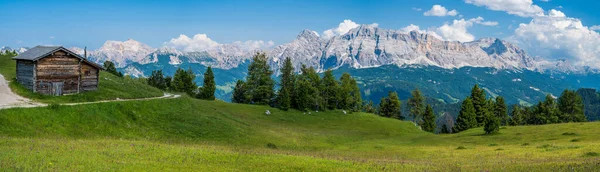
427	61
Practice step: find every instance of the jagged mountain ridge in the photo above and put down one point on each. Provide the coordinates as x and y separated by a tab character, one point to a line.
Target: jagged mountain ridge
368	46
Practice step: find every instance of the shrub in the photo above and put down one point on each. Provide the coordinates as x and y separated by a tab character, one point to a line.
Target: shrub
569	134
271	146
576	140
493	144
592	154
461	147
525	144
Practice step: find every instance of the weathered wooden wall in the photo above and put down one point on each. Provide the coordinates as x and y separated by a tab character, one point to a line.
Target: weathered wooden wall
89	77
25	71
58	67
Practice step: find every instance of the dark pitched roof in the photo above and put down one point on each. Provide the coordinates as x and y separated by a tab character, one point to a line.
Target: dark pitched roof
39	52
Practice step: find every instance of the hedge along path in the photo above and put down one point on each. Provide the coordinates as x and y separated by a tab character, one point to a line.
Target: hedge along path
8	99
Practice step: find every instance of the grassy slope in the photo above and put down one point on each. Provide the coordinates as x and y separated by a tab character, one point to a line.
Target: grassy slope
111	87
189	134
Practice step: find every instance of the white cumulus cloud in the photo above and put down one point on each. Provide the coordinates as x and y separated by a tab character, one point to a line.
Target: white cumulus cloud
557	36
201	42
343	28
440	11
596	27
457	31
413	27
523	8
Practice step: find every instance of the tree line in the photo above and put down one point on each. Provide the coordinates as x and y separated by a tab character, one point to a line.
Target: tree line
183	81
305	91
477	111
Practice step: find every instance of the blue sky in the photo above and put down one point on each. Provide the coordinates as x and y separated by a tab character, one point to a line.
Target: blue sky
91	23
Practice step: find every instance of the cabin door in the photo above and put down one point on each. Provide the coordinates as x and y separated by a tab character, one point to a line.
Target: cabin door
57	88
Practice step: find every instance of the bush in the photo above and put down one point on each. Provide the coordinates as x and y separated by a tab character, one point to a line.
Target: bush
525	144
575	140
592	154
271	146
493	144
569	134
461	147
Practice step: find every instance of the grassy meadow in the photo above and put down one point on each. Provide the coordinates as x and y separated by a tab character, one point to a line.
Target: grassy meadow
186	134
110	87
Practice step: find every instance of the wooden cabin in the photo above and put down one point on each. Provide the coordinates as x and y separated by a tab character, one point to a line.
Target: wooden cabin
55	70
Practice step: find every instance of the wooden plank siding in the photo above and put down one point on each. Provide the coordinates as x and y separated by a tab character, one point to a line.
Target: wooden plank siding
89	77
25	73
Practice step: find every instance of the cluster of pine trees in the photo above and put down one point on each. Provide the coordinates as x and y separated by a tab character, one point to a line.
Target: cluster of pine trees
183	81
420	112
568	108
305	91
478	111
110	68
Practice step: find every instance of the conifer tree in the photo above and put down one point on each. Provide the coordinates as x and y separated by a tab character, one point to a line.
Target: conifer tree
330	90
207	92
416	105
285	95
390	106
349	94
357	98
479	102
183	81
466	118
491	122
110	68
428	120
157	80
516	116
239	92
500	110
369	108
304	91
259	84
550	110
168	81
570	105
311	75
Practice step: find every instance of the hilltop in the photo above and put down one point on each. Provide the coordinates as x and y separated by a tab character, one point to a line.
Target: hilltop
189	134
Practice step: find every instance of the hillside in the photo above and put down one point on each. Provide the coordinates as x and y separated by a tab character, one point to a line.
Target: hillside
110	87
189	134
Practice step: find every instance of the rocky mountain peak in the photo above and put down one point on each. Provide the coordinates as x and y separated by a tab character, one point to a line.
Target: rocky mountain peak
308	35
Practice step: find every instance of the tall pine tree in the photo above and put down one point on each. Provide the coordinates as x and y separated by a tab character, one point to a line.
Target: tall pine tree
466	118
570	105
239	92
259	84
183	81
207	92
516	117
349	94
330	90
428	120
500	110
390	106
491	122
286	86
479	102
416	105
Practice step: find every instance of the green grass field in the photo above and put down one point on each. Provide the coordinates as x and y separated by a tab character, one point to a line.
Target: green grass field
186	134
110	87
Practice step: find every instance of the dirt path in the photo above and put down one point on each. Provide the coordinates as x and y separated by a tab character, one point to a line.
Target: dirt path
8	99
